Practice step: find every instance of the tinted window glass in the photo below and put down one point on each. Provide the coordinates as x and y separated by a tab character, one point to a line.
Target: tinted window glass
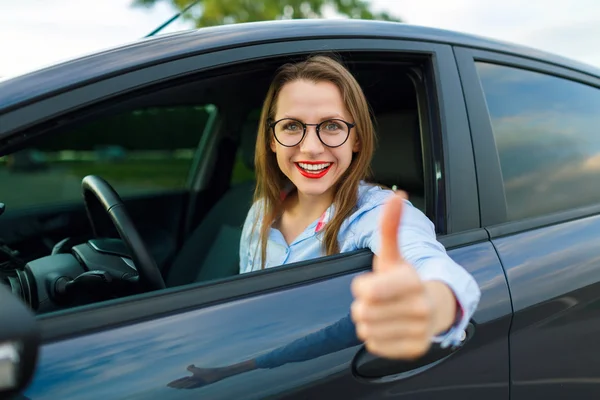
243	169
138	152
547	130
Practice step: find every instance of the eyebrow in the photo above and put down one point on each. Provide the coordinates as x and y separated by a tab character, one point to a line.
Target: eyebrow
325	118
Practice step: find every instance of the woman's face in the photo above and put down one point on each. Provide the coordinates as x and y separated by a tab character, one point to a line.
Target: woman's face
312	166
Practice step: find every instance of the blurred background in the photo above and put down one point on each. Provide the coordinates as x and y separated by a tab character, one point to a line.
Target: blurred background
156	153
36	33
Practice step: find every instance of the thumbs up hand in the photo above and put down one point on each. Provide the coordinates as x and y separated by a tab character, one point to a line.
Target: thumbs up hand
396	313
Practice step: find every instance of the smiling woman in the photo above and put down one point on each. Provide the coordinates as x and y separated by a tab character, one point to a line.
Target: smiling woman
313	101
312	200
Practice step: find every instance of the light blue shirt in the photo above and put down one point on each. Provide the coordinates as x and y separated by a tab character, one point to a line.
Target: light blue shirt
418	245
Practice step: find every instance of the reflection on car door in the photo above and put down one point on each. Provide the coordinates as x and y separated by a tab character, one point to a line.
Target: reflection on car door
139	361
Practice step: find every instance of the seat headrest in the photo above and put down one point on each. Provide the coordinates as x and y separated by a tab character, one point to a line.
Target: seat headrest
398	159
248	142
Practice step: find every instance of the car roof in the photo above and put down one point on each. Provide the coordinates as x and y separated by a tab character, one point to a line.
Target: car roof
149	51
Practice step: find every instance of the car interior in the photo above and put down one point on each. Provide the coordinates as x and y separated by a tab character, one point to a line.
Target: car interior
60	256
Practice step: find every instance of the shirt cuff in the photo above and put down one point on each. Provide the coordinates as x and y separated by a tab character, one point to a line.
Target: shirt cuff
450	336
465	290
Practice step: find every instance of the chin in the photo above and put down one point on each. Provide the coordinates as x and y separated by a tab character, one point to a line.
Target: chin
310	190
310	187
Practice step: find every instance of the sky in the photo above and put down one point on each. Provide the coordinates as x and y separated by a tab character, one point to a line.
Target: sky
37	33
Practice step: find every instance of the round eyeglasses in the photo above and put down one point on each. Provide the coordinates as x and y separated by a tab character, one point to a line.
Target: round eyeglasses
290	132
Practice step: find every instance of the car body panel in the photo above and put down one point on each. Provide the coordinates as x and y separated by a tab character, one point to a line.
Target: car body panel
552	262
145	52
554	277
137	361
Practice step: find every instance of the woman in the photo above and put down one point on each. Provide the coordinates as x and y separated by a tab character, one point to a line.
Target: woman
313	152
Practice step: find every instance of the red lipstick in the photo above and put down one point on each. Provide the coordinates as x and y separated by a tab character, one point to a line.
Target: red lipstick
313	175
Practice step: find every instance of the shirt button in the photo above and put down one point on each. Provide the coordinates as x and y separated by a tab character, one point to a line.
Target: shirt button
463	335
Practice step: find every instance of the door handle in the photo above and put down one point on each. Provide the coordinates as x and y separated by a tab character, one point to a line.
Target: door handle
370	367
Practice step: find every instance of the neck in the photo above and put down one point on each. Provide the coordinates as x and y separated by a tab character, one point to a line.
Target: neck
311	207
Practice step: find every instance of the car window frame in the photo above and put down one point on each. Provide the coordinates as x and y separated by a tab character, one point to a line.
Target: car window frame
460	192
458	176
489	174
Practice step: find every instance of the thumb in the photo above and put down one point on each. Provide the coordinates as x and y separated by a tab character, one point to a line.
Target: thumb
389	253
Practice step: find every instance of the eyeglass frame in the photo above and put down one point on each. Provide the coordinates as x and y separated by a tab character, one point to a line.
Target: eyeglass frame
350	125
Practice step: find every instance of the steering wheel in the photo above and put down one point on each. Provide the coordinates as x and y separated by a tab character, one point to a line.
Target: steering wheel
99	196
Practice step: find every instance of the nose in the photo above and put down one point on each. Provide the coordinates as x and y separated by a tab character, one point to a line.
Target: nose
311	143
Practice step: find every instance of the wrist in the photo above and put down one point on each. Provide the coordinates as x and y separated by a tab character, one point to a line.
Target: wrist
240	368
444	306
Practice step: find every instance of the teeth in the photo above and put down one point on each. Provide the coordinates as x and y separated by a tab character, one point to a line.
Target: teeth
314	167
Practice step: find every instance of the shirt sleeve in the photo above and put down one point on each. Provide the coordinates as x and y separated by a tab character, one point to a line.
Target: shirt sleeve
419	246
247	241
333	338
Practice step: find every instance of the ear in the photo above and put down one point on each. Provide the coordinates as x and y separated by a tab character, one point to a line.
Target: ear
273	145
356	145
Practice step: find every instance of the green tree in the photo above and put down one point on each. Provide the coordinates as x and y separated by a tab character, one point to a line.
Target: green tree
219	12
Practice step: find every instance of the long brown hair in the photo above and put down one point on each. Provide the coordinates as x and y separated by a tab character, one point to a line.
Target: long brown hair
270	181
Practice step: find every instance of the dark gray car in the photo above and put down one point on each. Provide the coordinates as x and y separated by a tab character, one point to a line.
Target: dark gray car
123	272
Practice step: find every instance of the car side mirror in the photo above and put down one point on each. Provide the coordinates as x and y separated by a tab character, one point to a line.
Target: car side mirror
19	344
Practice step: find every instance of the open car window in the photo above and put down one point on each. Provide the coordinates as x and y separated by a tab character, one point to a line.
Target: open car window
172	138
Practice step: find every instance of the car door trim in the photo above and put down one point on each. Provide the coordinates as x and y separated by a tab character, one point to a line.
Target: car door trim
100	316
129	81
109	314
460	183
489	176
514	227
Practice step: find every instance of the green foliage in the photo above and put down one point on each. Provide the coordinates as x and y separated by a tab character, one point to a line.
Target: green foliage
219	12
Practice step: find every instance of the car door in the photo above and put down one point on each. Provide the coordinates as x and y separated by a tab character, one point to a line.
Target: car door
135	347
534	130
